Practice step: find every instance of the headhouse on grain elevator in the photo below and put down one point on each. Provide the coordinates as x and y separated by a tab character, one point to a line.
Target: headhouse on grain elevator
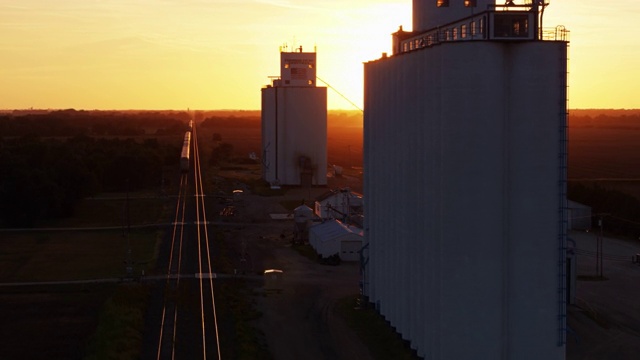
294	124
465	181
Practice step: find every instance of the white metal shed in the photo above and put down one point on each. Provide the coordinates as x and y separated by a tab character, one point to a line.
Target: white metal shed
333	237
338	204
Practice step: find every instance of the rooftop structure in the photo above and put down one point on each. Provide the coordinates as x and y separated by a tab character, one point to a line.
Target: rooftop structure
479	20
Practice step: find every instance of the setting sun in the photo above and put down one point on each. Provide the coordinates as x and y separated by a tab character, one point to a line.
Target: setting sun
218	54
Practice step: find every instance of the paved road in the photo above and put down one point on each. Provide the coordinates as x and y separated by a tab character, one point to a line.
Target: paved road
605	324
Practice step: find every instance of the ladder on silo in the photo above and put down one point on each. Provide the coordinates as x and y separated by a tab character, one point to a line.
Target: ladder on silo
562	196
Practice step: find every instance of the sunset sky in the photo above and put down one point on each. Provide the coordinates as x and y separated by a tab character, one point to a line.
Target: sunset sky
217	54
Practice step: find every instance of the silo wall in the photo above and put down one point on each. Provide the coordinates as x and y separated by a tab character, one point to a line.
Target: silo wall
294	124
462	174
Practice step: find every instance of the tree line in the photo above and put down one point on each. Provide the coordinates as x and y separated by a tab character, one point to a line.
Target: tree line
93	123
606	121
217	122
45	178
49	163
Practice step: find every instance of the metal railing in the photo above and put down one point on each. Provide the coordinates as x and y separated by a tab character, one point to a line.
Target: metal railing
559	33
474	29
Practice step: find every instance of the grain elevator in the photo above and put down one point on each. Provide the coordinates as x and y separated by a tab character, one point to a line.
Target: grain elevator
294	124
465	181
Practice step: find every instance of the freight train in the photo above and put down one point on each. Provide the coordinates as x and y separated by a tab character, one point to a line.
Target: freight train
184	157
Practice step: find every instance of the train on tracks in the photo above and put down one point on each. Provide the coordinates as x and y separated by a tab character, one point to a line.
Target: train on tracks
184	157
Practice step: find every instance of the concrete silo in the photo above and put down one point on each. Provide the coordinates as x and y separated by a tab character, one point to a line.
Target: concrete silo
294	124
465	181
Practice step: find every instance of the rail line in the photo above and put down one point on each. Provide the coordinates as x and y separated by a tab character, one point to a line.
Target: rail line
184	244
167	338
208	310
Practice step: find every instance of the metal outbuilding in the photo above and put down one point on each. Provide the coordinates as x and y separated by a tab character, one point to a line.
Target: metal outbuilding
333	237
302	216
338	204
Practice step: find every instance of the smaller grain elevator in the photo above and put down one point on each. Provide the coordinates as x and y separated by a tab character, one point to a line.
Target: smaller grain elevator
294	124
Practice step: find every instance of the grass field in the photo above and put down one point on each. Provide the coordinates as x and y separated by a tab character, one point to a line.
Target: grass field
111	210
49	322
57	256
86	254
72	310
604	153
121	321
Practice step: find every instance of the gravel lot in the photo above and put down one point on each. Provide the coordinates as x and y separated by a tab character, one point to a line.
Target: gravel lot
605	322
298	321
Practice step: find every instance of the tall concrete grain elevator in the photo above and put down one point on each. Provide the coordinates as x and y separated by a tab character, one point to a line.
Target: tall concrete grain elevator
465	181
294	124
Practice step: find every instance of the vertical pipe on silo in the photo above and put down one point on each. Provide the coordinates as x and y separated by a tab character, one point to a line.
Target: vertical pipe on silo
506	251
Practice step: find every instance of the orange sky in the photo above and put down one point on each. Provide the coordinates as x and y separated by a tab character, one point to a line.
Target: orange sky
217	54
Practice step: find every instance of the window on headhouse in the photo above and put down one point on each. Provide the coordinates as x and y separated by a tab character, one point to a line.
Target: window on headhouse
470	3
442	3
511	26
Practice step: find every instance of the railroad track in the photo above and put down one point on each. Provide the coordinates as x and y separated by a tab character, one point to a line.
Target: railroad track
167	339
178	324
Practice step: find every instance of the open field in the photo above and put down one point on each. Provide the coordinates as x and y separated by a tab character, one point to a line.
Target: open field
87	254
77	255
111	210
49	322
604	145
604	153
59	321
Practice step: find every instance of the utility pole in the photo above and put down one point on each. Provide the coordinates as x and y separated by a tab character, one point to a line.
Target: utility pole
128	260
243	259
599	249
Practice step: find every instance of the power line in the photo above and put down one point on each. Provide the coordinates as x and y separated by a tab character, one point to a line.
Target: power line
339	93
